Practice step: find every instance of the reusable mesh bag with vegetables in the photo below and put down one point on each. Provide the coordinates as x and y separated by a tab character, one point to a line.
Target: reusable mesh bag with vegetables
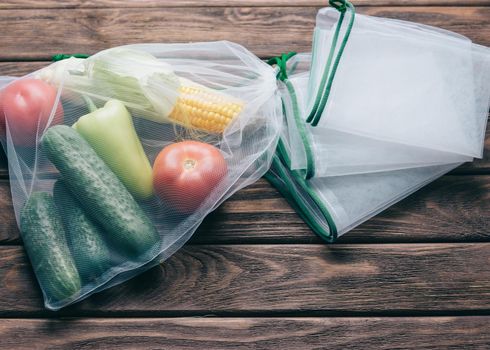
115	159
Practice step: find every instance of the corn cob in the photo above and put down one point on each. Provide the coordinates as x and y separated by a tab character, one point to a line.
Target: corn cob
201	108
147	86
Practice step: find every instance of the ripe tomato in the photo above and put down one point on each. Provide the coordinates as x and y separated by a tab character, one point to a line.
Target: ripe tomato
185	173
26	105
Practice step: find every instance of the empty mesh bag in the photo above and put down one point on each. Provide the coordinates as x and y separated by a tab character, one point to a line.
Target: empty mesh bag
403	94
336	153
333	205
114	160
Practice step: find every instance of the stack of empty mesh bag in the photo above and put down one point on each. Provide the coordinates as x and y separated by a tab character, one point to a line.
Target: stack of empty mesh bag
379	109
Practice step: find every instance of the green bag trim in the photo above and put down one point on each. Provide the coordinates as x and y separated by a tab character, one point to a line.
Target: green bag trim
63	56
330	70
291	182
310	159
281	63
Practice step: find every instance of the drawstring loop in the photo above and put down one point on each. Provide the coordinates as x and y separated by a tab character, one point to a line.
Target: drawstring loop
281	63
331	66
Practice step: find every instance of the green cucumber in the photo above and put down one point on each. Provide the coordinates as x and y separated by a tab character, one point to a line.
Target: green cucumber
100	192
84	236
45	243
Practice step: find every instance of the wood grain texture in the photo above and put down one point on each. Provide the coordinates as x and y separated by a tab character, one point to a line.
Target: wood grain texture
453	209
72	4
267	279
247	333
340	280
266	31
18	69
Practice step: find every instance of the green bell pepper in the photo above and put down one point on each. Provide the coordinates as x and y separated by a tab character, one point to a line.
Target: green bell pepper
110	131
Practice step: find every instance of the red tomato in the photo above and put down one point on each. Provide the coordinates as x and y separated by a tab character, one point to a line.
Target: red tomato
26	105
185	173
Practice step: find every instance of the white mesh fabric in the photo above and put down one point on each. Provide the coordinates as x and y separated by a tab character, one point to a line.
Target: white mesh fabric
405	83
338	153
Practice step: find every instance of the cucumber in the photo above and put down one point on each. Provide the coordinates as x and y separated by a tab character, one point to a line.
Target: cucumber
45	243
100	192
84	236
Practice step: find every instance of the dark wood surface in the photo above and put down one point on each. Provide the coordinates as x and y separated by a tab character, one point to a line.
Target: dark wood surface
269	279
264	30
192	333
254	276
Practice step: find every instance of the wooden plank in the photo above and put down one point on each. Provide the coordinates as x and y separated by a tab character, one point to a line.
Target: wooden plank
21	68
339	280
71	4
247	333
452	209
264	30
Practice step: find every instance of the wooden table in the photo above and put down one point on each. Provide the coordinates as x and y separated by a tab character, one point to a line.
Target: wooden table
254	276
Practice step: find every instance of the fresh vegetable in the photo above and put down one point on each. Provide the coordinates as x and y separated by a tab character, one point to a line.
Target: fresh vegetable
110	132
149	87
45	243
84	236
100	192
185	173
26	106
201	108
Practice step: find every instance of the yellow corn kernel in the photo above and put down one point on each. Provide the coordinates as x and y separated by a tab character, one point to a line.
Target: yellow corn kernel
204	109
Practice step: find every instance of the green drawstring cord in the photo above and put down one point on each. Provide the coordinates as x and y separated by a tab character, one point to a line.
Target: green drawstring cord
325	84
281	63
287	188
329	74
63	56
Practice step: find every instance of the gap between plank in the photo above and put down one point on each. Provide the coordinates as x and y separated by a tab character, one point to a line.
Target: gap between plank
46	314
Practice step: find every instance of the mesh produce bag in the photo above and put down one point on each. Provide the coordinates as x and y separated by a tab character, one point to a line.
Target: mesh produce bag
114	160
333	205
336	153
392	94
